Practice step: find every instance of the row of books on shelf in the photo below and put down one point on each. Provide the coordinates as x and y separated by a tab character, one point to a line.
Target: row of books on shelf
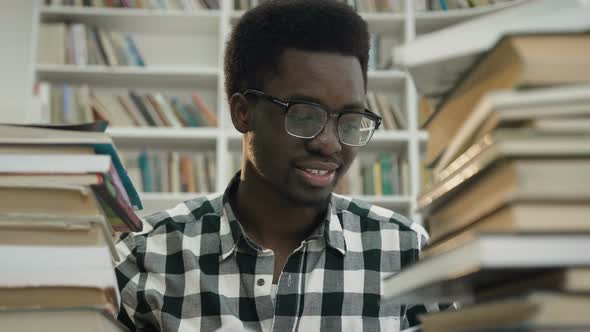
172	172
78	44
434	5
64	192
195	172
390	6
368	6
139	4
509	205
68	104
382	175
393	118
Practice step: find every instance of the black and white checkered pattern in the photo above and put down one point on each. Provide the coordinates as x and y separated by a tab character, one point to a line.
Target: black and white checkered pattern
192	268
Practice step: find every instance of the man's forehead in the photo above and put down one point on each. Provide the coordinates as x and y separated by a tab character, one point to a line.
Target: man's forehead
319	70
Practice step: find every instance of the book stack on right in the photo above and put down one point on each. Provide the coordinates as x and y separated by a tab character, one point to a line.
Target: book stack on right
63	193
509	207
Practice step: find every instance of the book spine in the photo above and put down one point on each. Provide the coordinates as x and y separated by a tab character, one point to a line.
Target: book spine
208	114
112	197
387	174
137	100
132	48
145	168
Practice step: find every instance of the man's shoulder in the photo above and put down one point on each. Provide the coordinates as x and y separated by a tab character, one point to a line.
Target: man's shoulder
370	214
190	213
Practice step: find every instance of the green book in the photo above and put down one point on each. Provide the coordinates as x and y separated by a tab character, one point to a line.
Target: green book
386	161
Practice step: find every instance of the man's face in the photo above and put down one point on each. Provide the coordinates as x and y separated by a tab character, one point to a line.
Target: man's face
305	171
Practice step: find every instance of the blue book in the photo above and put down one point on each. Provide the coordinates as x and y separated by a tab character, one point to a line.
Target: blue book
132	48
68	112
146	171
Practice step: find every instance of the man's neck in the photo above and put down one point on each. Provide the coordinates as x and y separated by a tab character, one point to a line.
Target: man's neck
271	220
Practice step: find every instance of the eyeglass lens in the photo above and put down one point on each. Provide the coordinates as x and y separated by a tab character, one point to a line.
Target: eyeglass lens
306	121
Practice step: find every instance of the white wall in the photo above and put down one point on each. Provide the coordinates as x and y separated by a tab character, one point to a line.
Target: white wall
16	58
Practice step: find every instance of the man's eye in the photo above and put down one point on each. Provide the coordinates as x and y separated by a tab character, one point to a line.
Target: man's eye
350	125
303	118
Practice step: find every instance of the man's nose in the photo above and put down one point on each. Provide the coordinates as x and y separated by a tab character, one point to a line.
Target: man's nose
326	142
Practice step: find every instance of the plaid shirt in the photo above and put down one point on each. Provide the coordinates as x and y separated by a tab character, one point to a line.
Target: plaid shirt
193	268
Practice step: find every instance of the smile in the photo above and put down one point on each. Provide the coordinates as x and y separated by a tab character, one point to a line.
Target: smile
316	177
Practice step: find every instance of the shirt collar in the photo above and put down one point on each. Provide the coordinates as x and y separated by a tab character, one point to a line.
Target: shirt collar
232	233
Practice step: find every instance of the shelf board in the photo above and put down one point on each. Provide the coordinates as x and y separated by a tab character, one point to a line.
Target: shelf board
393	23
388	140
136	20
386	80
385	23
382	23
181	139
125	76
436	20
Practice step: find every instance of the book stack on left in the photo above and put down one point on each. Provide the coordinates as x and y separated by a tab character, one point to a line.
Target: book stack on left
64	193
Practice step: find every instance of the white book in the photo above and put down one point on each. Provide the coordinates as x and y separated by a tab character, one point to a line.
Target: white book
79	38
51	43
175	172
518	105
455	271
199	165
77	319
82	97
45	221
55	163
355	179
35	266
167	110
438	59
45	108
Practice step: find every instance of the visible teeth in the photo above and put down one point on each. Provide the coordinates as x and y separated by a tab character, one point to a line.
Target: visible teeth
316	171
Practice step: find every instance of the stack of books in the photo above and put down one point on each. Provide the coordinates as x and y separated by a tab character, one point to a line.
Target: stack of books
64	193
509	207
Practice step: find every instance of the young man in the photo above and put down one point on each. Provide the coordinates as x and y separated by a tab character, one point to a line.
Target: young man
278	251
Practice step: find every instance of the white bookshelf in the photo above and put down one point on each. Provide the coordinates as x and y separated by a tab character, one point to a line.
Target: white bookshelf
184	50
125	76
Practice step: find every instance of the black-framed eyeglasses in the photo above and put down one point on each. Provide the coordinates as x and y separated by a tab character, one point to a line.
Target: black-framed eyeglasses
304	119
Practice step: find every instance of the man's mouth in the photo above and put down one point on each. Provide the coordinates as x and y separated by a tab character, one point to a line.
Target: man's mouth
316	171
317	174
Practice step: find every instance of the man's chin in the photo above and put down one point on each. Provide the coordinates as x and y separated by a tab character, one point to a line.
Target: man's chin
310	198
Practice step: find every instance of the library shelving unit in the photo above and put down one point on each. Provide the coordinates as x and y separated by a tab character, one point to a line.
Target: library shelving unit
184	50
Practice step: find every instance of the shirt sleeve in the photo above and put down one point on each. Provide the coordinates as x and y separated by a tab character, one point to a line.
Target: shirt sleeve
128	273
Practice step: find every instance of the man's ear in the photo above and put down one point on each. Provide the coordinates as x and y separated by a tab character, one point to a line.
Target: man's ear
241	114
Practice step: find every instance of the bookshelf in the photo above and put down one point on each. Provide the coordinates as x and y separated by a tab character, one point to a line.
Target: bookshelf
184	51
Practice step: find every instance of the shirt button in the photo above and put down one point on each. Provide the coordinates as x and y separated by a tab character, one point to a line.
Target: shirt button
260	282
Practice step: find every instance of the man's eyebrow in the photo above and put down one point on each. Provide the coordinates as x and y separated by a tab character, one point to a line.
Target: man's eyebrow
301	97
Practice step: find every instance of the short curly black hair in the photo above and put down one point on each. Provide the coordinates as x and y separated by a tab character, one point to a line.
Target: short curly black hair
262	35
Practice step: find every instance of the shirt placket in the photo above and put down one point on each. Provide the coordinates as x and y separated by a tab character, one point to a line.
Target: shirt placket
262	288
289	295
